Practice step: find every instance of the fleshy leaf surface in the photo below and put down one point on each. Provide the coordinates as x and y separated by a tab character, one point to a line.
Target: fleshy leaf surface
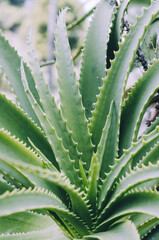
71	102
133	110
93	67
11	62
119	231
117	75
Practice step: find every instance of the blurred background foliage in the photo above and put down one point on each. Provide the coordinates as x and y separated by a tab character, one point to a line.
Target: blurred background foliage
18	16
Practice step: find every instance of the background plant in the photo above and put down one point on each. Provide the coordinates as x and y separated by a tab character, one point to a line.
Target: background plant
65	170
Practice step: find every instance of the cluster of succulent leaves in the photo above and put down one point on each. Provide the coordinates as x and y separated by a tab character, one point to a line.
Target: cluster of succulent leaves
79	170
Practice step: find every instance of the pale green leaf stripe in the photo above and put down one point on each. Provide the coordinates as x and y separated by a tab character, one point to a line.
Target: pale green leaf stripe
10	61
27	222
133	110
148	226
93	183
137	150
71	103
141	219
106	149
94	55
61	154
49	105
123	231
46	162
47	234
153	233
14	175
16	122
146	202
29	225
38	178
27	199
56	180
118	73
135	178
20	201
14	151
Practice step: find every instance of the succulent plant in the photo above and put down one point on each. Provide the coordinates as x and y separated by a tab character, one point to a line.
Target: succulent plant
80	170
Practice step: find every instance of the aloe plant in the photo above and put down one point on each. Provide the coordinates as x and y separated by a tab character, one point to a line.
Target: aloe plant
80	170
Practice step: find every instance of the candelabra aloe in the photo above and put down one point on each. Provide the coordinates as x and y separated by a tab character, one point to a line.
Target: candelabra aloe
80	171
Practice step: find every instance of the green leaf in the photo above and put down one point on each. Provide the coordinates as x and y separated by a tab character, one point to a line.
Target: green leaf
14	175
137	151
71	103
24	222
121	231
16	122
133	110
153	235
49	105
107	147
135	178
148	226
62	155
47	234
4	186
10	61
152	156
153	126
14	151
93	183
52	180
40	178
118	73
93	61
20	201
146	202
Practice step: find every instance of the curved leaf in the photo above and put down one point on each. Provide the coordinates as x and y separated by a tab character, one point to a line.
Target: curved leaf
16	122
135	178
119	231
107	146
47	234
71	103
94	55
133	110
4	186
51	110
20	201
10	61
62	155
54	181
153	235
14	175
12	150
146	202
25	222
153	126
137	150
118	73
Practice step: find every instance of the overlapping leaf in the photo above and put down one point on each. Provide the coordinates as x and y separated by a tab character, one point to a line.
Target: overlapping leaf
71	103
